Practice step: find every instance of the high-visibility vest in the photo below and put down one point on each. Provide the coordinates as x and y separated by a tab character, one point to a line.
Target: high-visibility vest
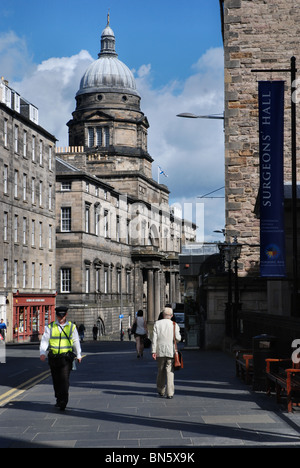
61	338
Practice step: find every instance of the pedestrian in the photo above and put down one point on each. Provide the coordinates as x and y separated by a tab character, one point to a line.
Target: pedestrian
140	333
2	328
163	352
59	339
81	330
95	331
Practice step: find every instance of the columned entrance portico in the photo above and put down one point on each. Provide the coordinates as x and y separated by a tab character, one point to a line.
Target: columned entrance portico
158	283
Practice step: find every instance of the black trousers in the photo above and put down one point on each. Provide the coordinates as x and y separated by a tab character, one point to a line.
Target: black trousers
60	366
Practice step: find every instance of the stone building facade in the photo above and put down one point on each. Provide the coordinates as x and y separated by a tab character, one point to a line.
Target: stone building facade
27	218
117	238
257	35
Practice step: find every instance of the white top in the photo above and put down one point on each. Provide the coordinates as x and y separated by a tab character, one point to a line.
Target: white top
140	329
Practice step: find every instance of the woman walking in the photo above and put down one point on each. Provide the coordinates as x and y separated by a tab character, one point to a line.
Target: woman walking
140	333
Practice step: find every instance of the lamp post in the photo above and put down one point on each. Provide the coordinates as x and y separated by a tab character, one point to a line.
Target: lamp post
231	252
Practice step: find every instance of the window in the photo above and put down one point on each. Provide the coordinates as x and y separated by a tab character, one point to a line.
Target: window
24	143
99	136
15	280
97	220
5	270
7	96
5	227
5	179
32	274
97	279
119	281
87	217
128	282
33	148
24	187
24	232
5	133
118	228
41	193
50	197
105	281
127	231
106	223
50	237
40	235
41	152
65	280
87	279
90	137
16	138
40	275
106	136
33	190
16	229
17	102
33	233
65	186
33	114
50	158
16	184
24	275
66	219
50	277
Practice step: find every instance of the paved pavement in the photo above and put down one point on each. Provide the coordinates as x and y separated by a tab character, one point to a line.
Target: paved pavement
113	404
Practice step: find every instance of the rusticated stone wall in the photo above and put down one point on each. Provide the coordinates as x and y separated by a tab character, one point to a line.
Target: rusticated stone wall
258	34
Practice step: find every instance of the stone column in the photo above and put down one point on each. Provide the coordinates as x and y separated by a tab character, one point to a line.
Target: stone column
150	297
172	287
156	294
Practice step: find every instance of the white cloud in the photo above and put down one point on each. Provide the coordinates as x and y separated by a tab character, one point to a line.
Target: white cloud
52	87
191	151
14	56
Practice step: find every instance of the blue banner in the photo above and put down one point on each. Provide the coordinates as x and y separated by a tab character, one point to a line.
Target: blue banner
272	234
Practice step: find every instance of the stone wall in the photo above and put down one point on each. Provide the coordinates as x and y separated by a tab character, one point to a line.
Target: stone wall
258	34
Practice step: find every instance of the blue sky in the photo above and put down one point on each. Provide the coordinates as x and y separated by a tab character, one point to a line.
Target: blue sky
171	34
174	49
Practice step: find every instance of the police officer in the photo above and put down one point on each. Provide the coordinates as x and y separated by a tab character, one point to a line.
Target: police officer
59	339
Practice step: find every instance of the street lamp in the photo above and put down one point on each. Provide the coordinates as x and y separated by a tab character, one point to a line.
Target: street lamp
220	231
231	252
188	115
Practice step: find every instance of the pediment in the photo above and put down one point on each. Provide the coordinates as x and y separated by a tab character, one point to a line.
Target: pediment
98	115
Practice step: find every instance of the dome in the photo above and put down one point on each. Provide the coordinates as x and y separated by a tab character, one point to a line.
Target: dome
108	73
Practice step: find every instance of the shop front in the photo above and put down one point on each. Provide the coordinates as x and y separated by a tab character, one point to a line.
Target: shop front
31	313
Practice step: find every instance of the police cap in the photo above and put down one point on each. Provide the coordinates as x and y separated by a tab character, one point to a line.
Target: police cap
61	311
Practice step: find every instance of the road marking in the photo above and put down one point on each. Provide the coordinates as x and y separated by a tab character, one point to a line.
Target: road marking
14	392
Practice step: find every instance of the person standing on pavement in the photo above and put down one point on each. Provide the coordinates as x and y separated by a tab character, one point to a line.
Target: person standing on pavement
163	352
95	332
81	330
2	328
59	339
